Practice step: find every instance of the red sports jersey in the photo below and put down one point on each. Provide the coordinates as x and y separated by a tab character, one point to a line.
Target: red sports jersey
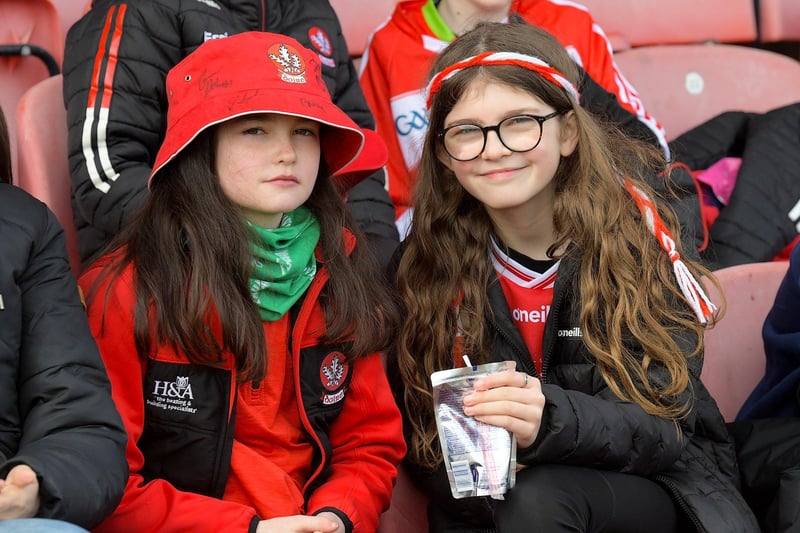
529	295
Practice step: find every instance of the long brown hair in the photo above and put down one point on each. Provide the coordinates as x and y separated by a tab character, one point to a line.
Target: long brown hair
5	151
190	251
627	286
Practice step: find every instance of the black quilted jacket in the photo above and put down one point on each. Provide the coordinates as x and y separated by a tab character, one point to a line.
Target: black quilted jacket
763	214
56	411
699	471
116	62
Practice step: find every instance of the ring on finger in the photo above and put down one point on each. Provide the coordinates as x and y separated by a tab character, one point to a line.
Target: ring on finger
525	382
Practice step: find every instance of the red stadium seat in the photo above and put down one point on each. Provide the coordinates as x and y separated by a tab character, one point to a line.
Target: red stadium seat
43	164
408	512
31	49
70	11
779	20
360	19
734	354
632	23
685	85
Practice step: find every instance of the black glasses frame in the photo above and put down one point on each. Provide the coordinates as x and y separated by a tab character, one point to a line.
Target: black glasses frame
541	119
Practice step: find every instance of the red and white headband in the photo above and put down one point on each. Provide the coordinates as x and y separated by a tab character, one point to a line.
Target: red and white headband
531	63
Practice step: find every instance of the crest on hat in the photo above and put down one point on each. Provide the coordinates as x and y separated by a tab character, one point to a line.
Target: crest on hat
288	62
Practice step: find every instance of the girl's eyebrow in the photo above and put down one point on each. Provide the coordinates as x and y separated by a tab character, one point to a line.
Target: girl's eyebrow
527	110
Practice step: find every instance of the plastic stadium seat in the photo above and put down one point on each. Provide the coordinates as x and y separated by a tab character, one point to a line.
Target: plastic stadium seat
685	85
31	49
408	512
734	350
360	19
43	164
779	20
632	23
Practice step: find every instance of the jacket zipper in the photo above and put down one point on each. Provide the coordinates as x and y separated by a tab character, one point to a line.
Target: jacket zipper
218	485
263	15
552	318
678	498
312	295
519	355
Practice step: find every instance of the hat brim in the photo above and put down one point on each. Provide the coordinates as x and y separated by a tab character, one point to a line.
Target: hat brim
341	145
373	156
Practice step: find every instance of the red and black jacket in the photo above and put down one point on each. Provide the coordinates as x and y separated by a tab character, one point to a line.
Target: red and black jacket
180	419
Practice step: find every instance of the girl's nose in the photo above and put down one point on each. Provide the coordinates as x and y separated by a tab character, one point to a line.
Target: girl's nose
494	147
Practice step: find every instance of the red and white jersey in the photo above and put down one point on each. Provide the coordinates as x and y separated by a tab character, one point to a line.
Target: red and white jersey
399	53
529	295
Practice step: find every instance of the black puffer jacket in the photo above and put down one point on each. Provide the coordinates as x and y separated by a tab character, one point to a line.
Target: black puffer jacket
699	471
56	411
116	61
763	214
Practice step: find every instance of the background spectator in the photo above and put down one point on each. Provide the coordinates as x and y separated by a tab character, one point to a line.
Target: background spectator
767	429
61	440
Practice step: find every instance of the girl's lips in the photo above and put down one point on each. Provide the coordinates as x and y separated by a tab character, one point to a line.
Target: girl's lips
283	180
499	173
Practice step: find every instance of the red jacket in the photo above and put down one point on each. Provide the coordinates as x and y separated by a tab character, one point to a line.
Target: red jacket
180	419
399	53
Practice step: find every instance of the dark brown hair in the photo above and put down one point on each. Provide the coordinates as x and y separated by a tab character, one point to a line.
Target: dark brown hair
5	151
191	256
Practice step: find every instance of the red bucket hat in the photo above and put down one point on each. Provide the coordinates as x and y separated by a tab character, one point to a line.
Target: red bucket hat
260	72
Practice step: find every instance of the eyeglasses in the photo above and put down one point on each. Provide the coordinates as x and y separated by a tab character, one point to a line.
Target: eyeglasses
518	133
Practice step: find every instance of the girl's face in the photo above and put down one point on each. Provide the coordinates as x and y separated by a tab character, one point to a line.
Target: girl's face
268	164
509	182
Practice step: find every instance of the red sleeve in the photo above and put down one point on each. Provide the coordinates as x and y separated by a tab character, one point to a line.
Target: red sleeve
367	442
587	43
155	506
376	77
601	67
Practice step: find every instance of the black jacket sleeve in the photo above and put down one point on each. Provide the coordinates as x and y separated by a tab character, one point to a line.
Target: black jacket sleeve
70	432
604	106
115	66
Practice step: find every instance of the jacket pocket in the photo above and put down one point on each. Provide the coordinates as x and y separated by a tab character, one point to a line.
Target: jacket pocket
186	417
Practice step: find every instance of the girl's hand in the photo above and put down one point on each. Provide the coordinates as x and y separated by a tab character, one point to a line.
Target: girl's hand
19	493
333	517
322	523
511	400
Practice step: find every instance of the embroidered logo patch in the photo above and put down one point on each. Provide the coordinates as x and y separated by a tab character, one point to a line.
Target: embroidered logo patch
411	123
172	395
333	373
572	332
288	62
209	36
320	40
